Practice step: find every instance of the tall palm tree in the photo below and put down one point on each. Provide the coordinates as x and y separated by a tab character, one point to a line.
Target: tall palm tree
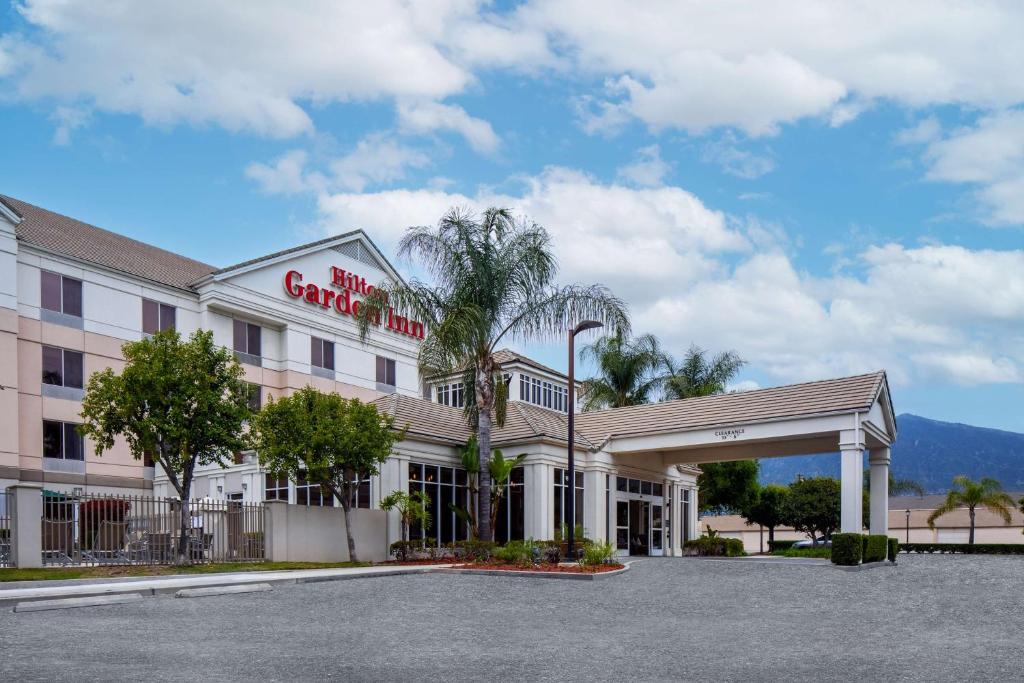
492	278
701	375
987	493
629	371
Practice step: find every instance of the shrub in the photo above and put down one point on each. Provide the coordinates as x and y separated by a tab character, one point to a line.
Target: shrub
847	549
519	553
551	552
966	548
473	550
416	549
875	548
894	549
819	551
715	546
779	545
597	553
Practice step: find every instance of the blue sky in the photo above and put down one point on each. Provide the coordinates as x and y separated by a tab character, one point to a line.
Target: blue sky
832	194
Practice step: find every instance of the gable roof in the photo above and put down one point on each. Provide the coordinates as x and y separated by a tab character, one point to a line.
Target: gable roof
842	395
437	422
55	232
503	356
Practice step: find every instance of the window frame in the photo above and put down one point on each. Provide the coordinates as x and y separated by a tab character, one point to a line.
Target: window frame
326	350
64	367
62	291
390	367
166	316
66	429
247	328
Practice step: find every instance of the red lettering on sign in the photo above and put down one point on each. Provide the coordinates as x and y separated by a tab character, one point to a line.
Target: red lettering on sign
291	283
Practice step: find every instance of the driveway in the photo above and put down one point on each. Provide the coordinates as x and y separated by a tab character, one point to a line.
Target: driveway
932	618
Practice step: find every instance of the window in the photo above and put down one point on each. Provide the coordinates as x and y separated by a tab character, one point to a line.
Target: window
444	487
322	353
62	441
157	317
385	371
61	294
276	488
248	338
62	367
361	496
453	395
312	495
561	399
547	394
561	507
255	396
684	523
510	526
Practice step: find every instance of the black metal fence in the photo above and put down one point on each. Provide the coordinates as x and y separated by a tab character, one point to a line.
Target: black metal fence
97	529
5	531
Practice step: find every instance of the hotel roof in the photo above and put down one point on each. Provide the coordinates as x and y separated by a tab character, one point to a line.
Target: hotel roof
67	236
842	395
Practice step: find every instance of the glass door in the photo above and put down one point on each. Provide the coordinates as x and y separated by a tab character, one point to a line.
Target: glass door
622	527
657	530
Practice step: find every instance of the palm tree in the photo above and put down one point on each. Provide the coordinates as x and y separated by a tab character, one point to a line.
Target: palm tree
987	493
629	371
699	375
492	279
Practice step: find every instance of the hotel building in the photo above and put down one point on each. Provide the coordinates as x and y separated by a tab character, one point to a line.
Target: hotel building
71	294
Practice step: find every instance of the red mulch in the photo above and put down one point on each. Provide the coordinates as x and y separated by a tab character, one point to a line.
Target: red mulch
561	568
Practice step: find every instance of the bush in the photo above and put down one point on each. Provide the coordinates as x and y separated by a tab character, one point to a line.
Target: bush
875	548
416	549
473	550
597	553
714	546
551	552
779	545
894	549
818	551
847	549
965	548
519	553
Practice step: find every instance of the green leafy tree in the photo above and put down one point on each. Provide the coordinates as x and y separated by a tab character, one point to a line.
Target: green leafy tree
986	493
469	456
500	470
812	507
327	440
411	507
630	371
727	486
768	509
700	374
182	402
493	279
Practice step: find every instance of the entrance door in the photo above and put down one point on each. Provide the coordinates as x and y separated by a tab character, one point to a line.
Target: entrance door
657	530
639	527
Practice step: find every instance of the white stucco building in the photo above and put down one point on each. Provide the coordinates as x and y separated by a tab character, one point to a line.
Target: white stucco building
71	294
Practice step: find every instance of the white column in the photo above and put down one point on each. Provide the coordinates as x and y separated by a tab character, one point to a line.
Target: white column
394	476
878	459
25	506
594	505
538	522
851	449
676	507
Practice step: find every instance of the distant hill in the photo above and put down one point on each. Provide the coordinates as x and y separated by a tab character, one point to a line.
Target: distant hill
929	452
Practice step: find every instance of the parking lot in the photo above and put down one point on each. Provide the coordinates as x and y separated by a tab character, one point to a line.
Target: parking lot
931	618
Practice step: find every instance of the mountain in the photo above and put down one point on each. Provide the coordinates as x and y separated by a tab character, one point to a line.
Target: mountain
928	451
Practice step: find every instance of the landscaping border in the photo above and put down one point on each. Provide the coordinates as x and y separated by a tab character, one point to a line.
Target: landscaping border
864	566
533	574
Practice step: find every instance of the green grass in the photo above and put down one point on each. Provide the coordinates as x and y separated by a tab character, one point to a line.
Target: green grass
60	573
825	553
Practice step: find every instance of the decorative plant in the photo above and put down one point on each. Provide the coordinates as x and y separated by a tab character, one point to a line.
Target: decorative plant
501	470
411	507
597	553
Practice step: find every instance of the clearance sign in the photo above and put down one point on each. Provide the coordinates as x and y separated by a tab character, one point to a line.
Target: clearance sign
342	301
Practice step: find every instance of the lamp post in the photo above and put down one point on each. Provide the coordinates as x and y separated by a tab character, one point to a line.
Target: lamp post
570	507
908	526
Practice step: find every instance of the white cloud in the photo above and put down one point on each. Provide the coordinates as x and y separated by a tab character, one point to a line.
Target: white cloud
427	117
989	155
287	175
736	161
68	120
695	275
376	159
647	169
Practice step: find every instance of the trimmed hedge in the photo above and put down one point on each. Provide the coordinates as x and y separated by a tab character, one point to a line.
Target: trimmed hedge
779	545
965	548
894	549
715	547
876	547
847	549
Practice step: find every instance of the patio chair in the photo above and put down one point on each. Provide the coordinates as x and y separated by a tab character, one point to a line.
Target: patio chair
58	541
199	544
108	543
136	548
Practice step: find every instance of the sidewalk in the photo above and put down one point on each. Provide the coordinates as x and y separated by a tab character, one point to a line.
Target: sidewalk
20	591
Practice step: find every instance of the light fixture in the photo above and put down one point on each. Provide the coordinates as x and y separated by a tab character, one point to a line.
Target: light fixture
570	511
220	489
245	486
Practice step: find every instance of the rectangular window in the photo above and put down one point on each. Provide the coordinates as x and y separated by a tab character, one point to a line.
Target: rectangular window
248	338
157	317
61	440
524	388
547	394
445	488
276	488
535	393
62	367
60	293
510	526
561	498
255	396
385	371
322	353
311	495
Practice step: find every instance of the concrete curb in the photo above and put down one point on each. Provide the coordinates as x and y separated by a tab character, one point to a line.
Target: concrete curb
68	603
223	590
168	585
534	574
865	566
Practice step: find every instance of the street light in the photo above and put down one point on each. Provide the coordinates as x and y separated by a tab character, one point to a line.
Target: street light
570	508
908	526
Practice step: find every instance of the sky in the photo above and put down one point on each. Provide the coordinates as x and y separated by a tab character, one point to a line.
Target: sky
825	188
